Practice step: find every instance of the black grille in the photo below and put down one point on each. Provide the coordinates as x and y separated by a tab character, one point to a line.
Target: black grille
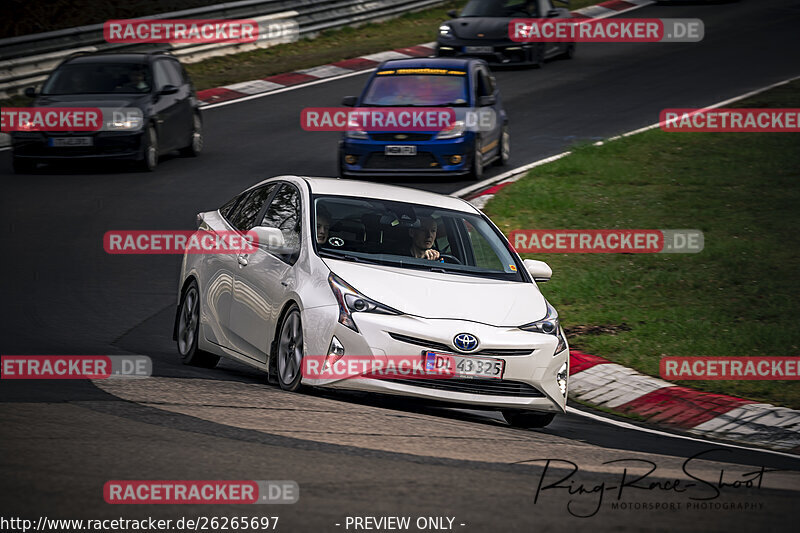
403	136
419	161
492	387
433	345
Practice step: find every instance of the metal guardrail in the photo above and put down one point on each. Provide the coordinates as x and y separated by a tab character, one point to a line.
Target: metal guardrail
26	61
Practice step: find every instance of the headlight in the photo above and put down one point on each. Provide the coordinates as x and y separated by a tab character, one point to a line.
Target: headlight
351	301
126	123
356	134
549	325
457	129
445	30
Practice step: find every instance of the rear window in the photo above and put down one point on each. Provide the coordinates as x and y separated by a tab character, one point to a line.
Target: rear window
394	89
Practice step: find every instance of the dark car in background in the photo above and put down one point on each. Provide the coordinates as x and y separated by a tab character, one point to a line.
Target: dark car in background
481	30
153	84
463	85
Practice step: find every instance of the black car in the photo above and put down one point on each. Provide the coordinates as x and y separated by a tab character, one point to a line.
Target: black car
481	30
154	85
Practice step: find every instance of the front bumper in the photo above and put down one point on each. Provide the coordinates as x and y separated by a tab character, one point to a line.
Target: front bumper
529	380
105	145
433	158
507	53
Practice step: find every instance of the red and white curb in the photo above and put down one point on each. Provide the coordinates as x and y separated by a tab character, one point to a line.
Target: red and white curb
599	382
368	62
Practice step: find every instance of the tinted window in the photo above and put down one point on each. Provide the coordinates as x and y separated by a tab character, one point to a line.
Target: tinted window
500	8
284	213
174	74
161	75
244	216
226	209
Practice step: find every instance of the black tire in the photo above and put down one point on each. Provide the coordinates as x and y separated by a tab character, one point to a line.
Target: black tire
196	140
187	330
569	51
476	170
527	419
289	350
539	56
149	159
23	166
505	148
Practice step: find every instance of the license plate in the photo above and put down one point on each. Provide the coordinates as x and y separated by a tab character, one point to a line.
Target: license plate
60	142
400	149
464	367
479	49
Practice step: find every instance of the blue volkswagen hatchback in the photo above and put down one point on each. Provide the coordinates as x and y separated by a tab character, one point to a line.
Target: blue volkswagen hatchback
462	149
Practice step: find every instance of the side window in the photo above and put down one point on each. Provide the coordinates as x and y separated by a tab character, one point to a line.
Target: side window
485	257
485	87
174	72
161	75
226	209
544	7
284	213
244	216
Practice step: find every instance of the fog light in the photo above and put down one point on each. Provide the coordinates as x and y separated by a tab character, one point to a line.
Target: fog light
335	352
455	159
561	379
350	159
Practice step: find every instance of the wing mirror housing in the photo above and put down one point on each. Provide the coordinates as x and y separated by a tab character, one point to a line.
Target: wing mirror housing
349	101
453	13
486	101
539	270
30	92
168	89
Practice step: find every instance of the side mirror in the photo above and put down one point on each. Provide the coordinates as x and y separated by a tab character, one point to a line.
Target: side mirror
553	13
30	92
168	89
270	238
539	270
453	13
485	101
349	101
565	2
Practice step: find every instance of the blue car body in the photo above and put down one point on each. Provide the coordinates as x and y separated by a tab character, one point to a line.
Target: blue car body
434	156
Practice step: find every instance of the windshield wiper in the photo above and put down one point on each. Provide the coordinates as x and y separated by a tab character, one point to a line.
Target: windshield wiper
345	257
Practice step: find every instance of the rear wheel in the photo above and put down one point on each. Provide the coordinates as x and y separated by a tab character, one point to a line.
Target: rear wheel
196	142
188	329
149	158
476	170
505	148
527	419
290	351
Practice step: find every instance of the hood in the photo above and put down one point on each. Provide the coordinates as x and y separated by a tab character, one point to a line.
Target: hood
92	100
448	296
492	28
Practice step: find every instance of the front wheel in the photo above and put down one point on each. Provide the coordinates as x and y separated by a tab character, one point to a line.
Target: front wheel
149	158
476	170
505	148
290	351
23	166
188	329
527	419
569	51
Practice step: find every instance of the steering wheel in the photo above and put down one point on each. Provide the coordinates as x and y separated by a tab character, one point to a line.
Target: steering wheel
450	259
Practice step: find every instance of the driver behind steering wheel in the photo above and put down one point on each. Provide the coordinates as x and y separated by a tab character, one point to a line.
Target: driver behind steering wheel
423	239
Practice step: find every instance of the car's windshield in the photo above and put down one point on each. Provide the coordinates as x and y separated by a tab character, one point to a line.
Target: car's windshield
397	88
500	8
405	235
98	78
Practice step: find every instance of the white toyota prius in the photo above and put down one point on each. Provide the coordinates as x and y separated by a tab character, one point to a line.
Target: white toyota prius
348	269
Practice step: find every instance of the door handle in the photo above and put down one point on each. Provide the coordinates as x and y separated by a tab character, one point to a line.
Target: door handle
242	260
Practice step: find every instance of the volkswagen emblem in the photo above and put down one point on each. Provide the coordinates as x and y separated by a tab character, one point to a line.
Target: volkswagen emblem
465	342
401	136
